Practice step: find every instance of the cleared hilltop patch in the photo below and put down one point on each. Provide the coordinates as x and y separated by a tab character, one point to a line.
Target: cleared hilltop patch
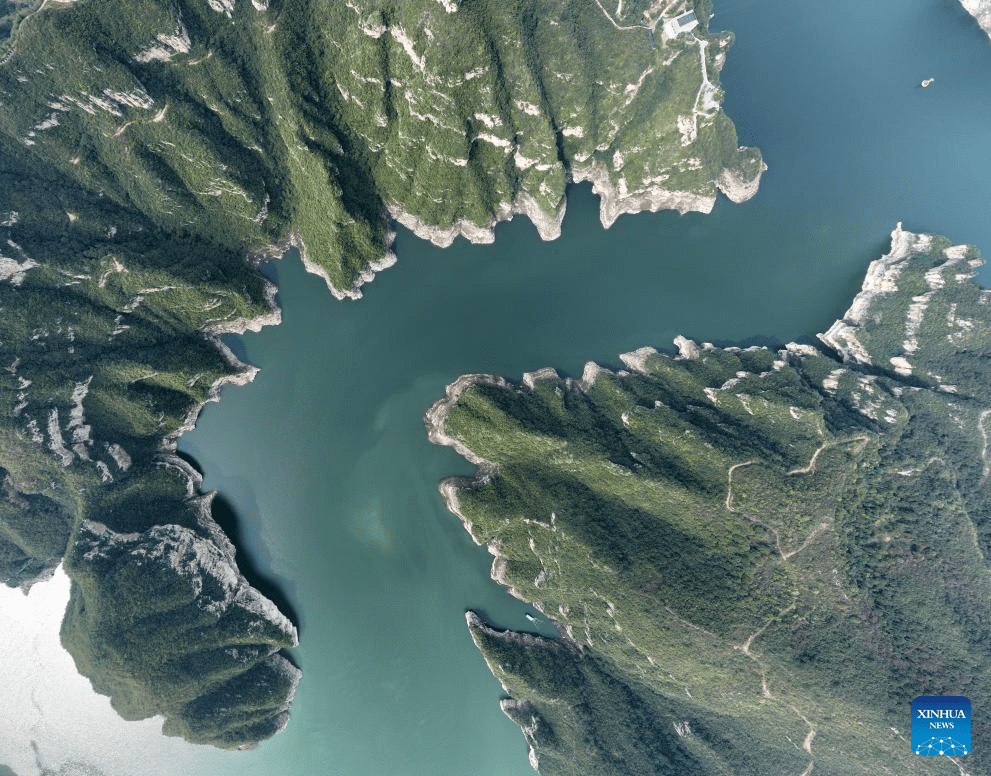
755	559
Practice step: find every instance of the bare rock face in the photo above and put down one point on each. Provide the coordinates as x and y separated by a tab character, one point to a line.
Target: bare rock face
980	10
920	315
163	621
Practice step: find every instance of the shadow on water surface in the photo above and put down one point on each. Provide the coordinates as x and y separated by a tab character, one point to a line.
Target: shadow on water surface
192	462
225	516
223	512
236	343
270	268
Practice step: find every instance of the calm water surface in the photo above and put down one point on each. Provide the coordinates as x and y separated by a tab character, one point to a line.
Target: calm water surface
324	458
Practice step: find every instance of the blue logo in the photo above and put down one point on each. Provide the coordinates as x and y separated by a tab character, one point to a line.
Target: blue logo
941	726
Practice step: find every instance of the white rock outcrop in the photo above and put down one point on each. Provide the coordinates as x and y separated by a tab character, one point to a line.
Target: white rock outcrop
980	10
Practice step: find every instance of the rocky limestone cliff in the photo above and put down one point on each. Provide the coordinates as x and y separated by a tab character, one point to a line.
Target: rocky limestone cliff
161	619
980	10
155	144
319	119
745	549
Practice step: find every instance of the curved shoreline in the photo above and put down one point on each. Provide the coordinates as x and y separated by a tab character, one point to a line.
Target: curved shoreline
612	204
435	421
981	11
548	225
841	336
477	626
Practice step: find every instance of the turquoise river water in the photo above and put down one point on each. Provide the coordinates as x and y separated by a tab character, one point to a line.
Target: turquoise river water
324	458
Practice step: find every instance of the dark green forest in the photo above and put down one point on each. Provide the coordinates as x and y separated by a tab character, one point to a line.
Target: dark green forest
756	559
153	152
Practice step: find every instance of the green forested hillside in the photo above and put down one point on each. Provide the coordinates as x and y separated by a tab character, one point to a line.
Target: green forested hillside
244	122
147	147
755	559
12	13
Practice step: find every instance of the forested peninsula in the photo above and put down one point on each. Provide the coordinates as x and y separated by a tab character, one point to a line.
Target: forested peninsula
755	558
148	148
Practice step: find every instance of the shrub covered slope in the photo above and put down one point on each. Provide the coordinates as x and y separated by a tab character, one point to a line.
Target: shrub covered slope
755	559
148	146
